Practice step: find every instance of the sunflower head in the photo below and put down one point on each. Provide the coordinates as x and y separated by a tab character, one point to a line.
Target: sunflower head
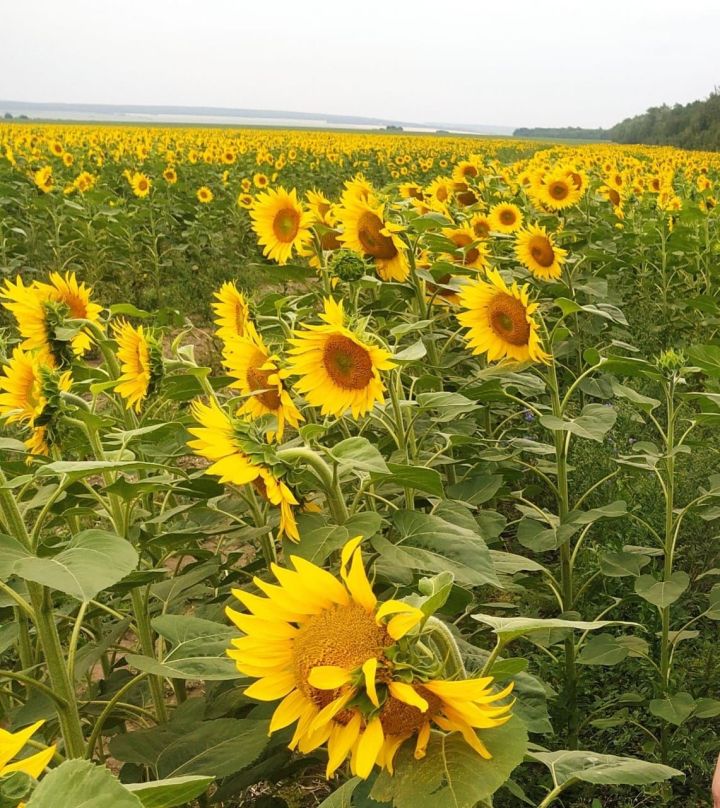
141	363
349	670
505	218
500	320
536	250
232	312
281	223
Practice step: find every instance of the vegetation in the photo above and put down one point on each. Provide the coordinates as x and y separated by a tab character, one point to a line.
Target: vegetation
563	132
361	470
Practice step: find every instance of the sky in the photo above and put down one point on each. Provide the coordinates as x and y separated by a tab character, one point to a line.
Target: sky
509	63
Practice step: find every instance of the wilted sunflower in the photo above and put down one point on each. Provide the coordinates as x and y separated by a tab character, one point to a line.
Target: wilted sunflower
367	231
30	396
220	439
281	223
11	743
257	375
470	252
500	321
231	312
41	308
140	362
338	370
505	217
346	670
204	195
535	249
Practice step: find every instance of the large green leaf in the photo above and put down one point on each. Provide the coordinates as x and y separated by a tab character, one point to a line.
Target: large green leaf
603	649
673	709
342	798
509	628
170	793
594	422
431	545
568	766
662	593
358	454
82	784
93	560
452	773
420	478
707	358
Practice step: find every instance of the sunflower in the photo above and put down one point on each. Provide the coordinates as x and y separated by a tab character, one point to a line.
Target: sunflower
141	364
344	666
535	250
30	396
357	189
338	370
439	193
11	743
232	313
204	195
558	190
469	251
43	178
367	232
505	218
219	439
140	184
281	223
170	175
500	321
257	375
465	170
481	225
41	309
260	180
321	207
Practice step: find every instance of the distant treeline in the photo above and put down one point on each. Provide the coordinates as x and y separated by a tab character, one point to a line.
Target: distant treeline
690	126
565	132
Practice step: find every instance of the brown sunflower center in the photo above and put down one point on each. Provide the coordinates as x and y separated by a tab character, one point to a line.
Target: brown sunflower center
329	240
508	319
614	197
286	224
373	241
348	364
398	718
345	636
542	251
467	198
559	190
469	171
258	380
481	228
508	217
463	240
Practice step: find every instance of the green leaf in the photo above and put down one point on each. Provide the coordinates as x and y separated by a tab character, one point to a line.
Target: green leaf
594	422
342	798
621	564
452	773
169	793
673	709
93	560
662	593
431	545
448	405
591	767
603	649
412	353
78	469
429	481
358	454
509	628
707	358
81	784
707	708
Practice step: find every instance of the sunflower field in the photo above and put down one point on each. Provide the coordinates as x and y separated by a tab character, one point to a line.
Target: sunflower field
356	470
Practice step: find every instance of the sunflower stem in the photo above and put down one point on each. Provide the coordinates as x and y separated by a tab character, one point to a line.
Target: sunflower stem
441	636
326	476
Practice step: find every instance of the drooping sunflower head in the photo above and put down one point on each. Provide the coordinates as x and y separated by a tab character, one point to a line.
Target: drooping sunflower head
367	231
232	312
258	376
281	223
500	320
141	364
339	370
505	218
237	459
30	395
536	250
44	314
347	669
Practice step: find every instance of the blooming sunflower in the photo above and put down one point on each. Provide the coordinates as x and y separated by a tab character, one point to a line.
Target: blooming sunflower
535	250
500	321
505	218
141	364
481	225
321	207
170	175
338	370
367	232
43	178
220	440
344	668
558	190
281	223
11	743
245	201
140	184
41	308
258	376
232	312
30	396
204	195
469	251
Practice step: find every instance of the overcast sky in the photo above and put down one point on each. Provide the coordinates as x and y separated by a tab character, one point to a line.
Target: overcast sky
501	62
